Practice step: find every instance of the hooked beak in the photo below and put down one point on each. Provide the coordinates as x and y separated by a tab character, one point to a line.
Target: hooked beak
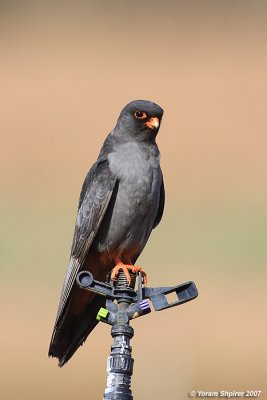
153	123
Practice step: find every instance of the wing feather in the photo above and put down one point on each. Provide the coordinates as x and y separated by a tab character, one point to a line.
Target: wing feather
94	199
161	205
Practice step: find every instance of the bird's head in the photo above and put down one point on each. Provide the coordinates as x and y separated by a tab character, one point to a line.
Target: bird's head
140	120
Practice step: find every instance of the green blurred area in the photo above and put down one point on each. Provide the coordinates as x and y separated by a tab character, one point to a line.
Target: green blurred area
67	69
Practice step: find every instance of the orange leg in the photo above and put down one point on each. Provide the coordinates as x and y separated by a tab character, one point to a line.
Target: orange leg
126	268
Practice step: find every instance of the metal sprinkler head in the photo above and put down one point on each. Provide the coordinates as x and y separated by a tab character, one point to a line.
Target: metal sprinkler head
124	303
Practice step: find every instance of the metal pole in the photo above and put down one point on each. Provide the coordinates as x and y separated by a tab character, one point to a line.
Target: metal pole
120	362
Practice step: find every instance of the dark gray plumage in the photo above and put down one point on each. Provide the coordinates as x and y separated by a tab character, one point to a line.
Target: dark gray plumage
121	201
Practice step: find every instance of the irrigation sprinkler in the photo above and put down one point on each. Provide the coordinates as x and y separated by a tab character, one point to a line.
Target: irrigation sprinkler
124	303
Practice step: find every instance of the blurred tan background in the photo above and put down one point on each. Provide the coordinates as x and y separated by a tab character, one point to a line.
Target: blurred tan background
66	70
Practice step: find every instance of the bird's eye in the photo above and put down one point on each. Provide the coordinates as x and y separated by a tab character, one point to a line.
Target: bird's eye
140	114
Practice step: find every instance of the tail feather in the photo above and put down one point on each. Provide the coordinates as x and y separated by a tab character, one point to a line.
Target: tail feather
72	330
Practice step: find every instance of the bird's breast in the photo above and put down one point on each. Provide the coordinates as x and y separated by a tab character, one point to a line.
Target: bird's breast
130	218
138	172
134	161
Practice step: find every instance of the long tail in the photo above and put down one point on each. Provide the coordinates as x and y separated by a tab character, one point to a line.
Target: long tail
72	329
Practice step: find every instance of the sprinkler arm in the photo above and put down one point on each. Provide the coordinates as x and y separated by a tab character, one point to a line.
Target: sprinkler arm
158	296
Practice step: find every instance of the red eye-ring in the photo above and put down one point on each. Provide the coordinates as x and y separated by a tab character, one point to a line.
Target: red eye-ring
140	114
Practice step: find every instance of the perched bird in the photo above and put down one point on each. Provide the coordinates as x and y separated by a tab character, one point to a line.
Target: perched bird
121	201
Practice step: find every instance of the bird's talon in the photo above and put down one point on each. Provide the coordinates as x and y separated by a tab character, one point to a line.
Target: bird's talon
137	269
116	270
125	268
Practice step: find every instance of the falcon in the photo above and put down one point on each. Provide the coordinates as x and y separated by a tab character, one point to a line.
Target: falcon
121	201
